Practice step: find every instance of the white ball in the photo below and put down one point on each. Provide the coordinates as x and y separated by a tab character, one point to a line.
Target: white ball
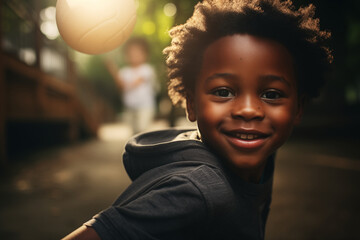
95	26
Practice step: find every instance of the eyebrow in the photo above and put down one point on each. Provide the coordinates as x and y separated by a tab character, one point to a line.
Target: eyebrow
220	75
272	78
269	78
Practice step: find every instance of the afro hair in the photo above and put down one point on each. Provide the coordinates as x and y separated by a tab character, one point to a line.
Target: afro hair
297	29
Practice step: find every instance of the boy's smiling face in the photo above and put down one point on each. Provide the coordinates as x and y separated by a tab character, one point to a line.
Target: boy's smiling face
245	101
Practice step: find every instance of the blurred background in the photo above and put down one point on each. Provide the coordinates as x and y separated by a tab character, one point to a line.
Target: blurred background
62	131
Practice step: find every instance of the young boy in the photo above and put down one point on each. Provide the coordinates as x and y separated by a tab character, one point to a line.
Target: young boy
243	69
137	82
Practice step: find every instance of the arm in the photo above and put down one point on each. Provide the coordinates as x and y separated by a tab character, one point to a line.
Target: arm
111	67
83	233
163	211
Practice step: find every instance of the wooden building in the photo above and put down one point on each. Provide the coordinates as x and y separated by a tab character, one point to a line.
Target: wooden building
41	97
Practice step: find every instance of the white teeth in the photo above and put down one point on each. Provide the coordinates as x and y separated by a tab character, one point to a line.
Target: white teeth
247	136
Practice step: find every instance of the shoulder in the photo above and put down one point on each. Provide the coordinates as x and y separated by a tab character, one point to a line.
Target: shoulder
191	182
125	70
197	184
214	187
147	68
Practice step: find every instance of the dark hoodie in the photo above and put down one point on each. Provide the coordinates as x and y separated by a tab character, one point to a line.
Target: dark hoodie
181	190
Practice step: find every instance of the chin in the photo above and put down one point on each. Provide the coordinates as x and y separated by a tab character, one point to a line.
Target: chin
247	162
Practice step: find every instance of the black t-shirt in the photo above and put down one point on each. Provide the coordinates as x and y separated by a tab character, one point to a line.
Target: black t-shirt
181	190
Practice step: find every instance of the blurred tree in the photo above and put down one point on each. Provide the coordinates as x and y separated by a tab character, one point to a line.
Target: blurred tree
341	17
353	59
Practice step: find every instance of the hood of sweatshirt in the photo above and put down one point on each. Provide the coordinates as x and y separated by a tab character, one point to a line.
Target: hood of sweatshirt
153	149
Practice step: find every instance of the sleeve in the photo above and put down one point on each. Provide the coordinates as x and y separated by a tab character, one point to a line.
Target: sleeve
171	207
150	77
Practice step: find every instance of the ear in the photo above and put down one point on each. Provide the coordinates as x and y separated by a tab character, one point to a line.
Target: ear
190	108
300	109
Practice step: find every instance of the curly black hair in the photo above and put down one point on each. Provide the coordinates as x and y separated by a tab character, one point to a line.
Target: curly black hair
296	29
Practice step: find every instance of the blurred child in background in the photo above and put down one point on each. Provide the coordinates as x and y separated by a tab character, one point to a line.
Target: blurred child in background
137	83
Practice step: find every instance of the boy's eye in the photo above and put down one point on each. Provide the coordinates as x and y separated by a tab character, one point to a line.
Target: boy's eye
271	94
223	92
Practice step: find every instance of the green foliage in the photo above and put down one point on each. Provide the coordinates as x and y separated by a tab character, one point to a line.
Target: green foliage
353	43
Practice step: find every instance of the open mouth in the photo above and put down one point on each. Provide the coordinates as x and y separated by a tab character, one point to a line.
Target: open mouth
246	139
246	136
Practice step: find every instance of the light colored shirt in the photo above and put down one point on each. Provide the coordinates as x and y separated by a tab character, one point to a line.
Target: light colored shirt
143	95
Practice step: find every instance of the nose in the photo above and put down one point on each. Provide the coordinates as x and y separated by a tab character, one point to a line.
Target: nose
248	108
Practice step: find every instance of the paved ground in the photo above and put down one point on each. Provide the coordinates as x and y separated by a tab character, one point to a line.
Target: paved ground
316	194
48	194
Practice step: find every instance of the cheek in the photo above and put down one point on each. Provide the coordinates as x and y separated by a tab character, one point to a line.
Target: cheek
211	113
282	118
